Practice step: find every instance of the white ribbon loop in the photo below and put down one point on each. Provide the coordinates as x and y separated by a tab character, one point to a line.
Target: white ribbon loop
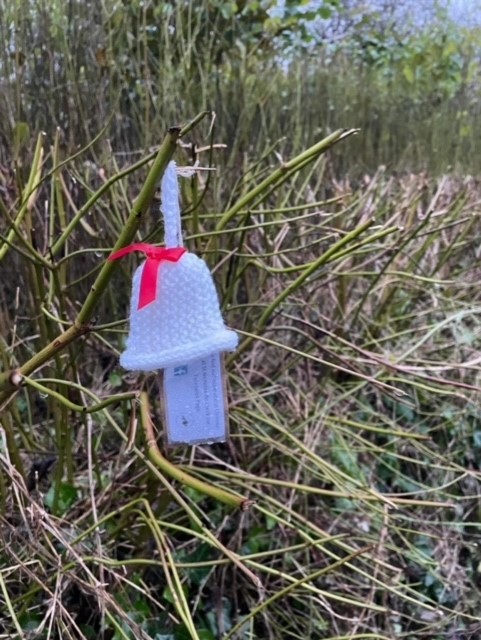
170	207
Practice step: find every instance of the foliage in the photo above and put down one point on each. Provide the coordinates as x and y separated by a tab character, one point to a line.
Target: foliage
429	64
415	96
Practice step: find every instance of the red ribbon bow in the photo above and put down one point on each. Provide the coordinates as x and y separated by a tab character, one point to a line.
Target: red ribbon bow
154	255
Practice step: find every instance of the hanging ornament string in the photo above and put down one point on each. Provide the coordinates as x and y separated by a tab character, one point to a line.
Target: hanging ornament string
150	272
173	251
170	206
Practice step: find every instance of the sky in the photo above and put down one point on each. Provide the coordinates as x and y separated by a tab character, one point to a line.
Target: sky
464	12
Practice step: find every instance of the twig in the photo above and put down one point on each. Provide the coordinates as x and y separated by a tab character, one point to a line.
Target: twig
173	471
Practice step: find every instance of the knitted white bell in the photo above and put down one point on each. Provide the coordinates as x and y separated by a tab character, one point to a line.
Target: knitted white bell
175	316
183	323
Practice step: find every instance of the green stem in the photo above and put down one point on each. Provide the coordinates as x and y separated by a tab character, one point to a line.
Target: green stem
280	174
33	183
127	234
171	470
295	284
81	323
128	395
67	231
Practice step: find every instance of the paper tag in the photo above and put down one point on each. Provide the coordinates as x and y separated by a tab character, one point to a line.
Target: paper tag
195	403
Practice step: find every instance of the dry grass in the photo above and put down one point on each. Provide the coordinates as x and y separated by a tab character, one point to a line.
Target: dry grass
354	428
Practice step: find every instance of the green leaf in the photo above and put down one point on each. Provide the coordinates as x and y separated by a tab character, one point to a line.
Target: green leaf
115	379
29	622
181	633
408	74
21	136
169	596
325	12
477	439
67	494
